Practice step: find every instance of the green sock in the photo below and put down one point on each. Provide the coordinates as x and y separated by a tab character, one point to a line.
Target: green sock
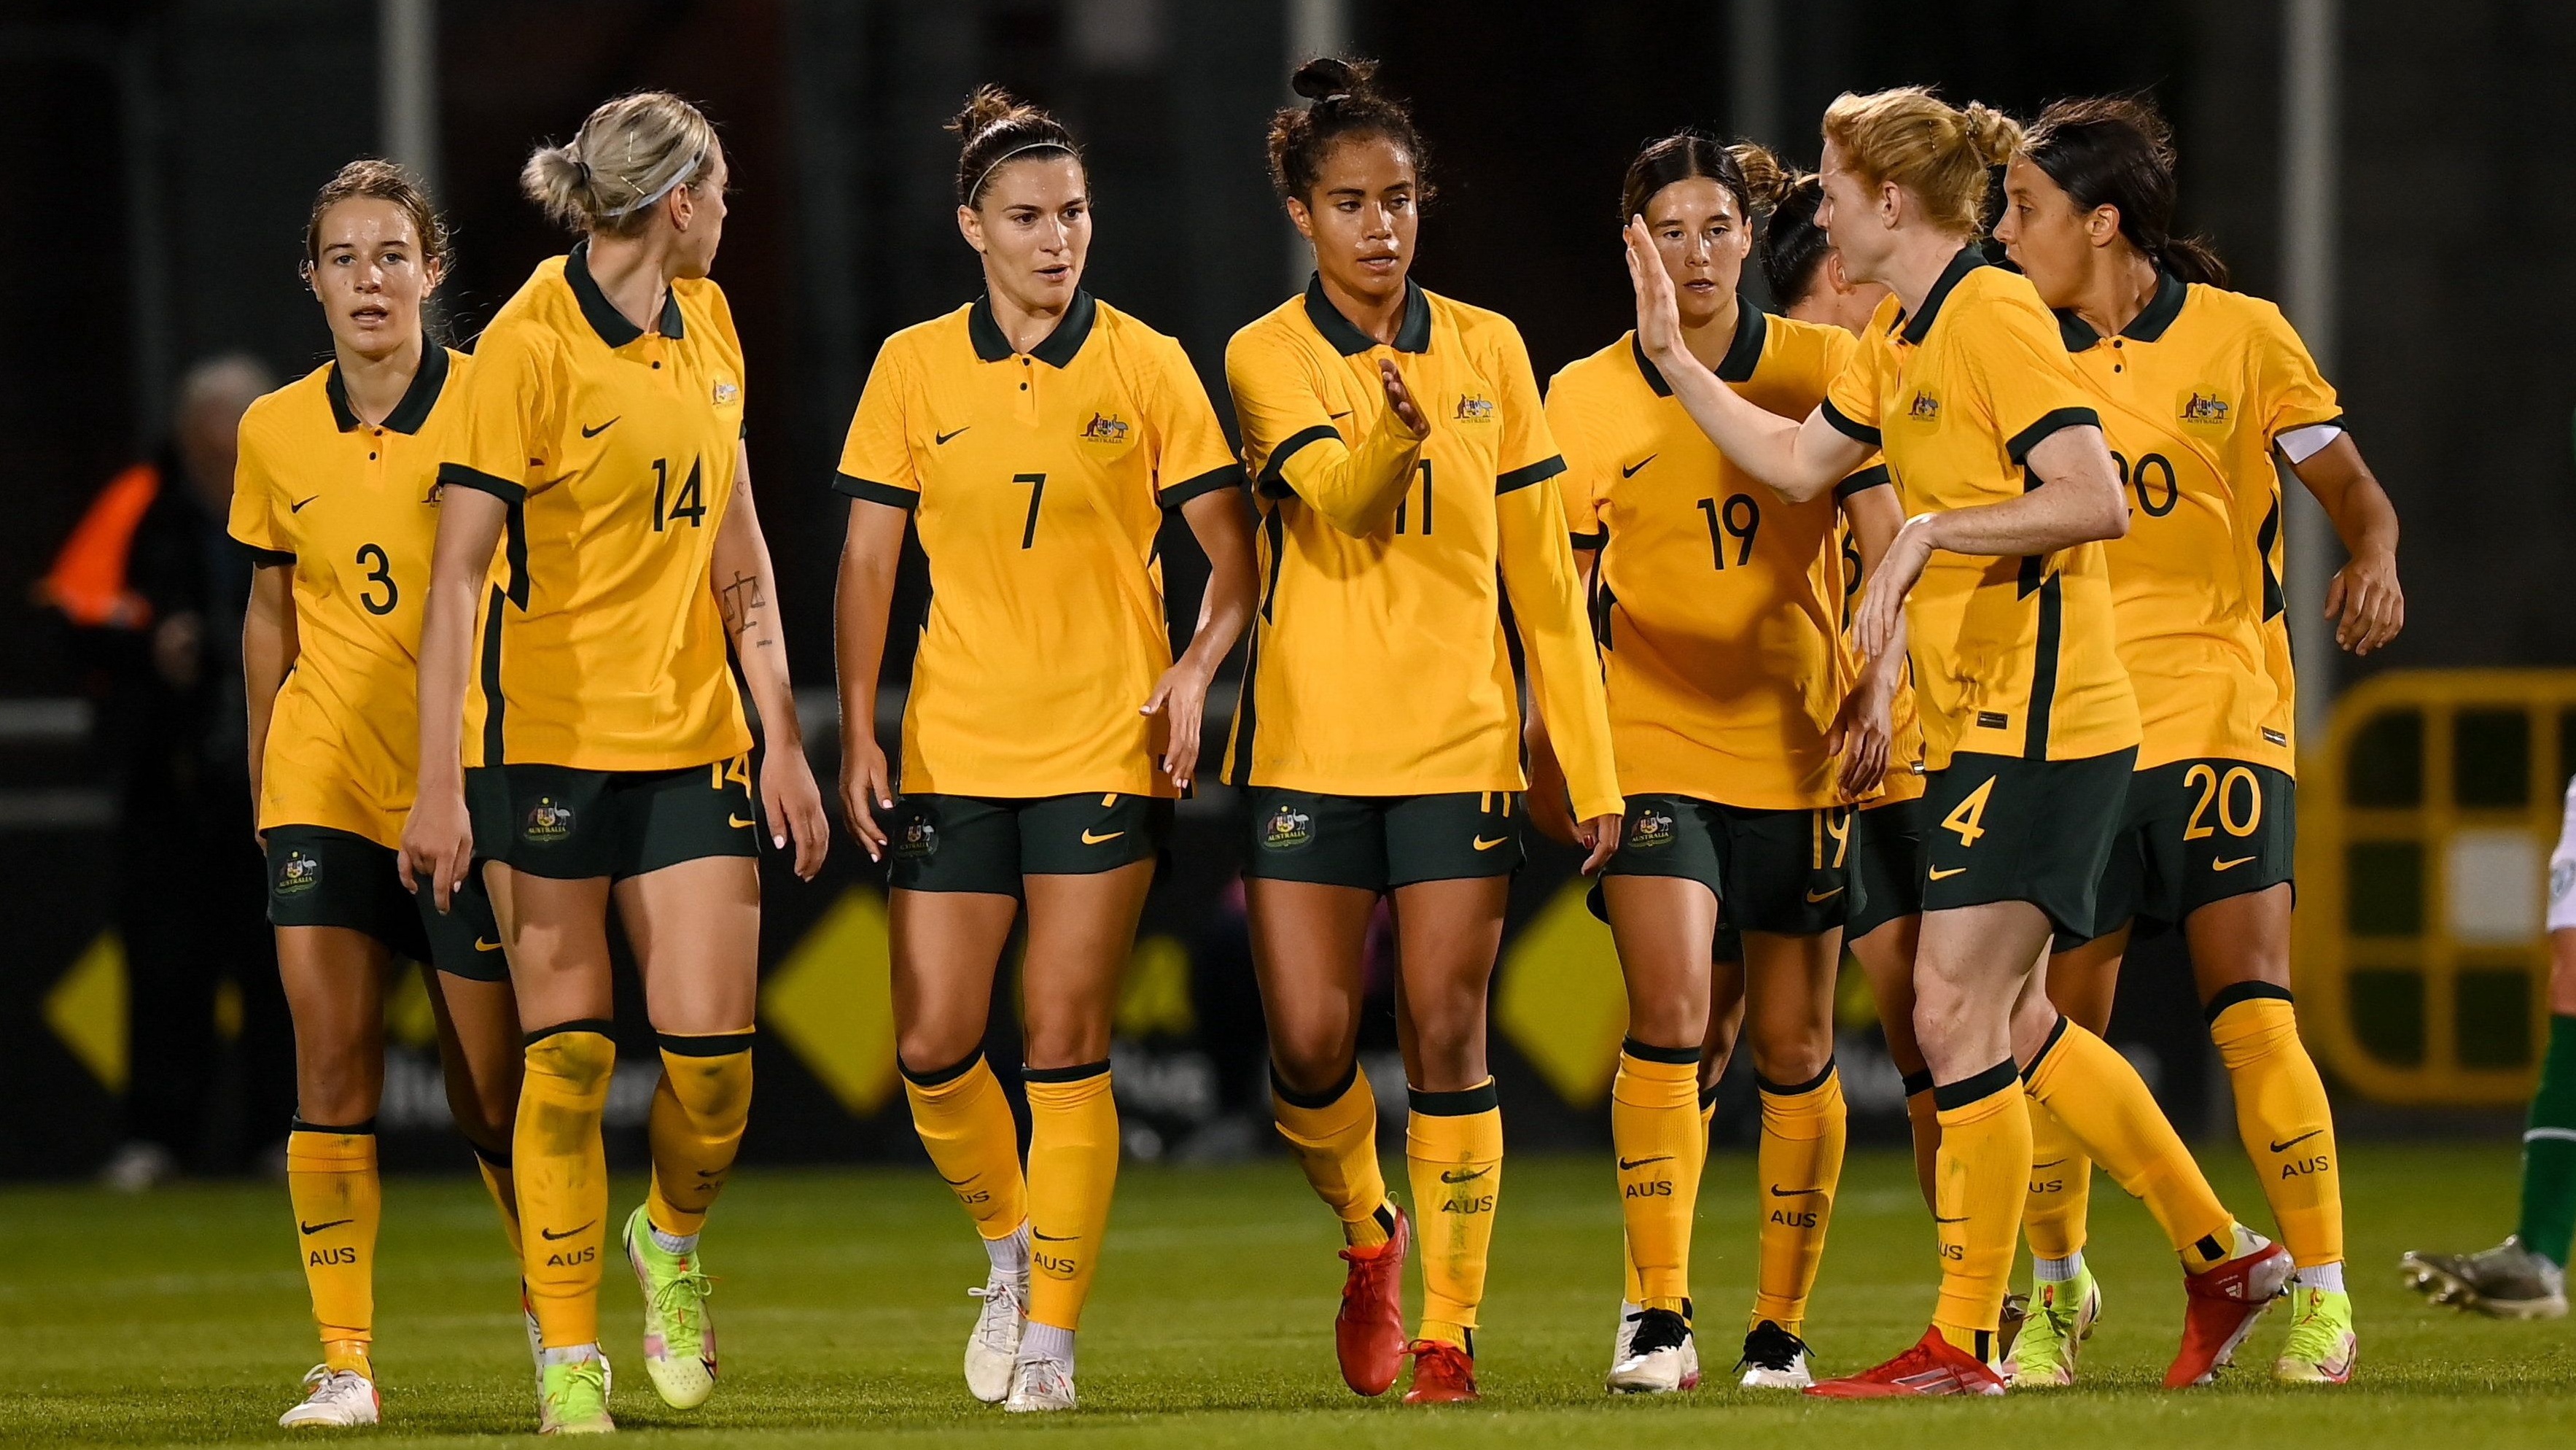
2549	1150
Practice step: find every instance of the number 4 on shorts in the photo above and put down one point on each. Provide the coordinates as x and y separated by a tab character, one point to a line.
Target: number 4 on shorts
1970	813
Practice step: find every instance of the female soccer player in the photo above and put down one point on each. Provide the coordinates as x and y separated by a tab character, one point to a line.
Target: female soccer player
328	496
583	743
2203	387
2029	726
1035	439
1401	460
1718	605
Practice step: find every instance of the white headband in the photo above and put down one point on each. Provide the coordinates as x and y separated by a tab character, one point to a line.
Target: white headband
986	174
668	187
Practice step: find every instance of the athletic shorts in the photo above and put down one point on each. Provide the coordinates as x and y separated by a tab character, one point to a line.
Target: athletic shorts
318	876
576	825
1788	872
978	843
2193	832
2002	828
1887	870
1378	843
2562	869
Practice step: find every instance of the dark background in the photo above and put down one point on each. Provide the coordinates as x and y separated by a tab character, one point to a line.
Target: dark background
165	154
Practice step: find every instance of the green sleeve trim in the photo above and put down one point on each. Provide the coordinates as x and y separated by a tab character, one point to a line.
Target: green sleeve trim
1849	427
457	475
870	491
2056	420
1229	476
1598	538
1874	476
1529	473
1273	480
267	558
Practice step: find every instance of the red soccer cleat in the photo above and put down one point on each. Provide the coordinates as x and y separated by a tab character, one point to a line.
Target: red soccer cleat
1932	1367
1442	1374
2225	1303
1368	1333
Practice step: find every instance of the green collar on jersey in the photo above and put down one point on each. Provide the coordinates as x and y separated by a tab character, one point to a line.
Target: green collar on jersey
604	318
1349	341
1918	327
1071	331
427	382
1743	355
2148	326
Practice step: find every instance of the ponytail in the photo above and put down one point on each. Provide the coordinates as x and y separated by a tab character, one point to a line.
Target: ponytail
2116	151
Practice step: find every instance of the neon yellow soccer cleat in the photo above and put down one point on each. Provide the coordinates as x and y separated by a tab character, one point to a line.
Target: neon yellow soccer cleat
2322	1346
2062	1316
679	1338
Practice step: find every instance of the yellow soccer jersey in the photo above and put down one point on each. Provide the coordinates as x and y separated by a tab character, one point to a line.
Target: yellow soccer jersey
1039	482
2204	381
1904	779
2012	656
1378	663
354	508
1716	602
601	647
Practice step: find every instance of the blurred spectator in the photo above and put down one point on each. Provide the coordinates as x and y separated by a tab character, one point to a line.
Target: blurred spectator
155	589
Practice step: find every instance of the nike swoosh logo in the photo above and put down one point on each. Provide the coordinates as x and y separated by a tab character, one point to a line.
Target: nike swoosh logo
1055	1238
1469	1176
1815	896
1089	839
1778	1192
311	1229
713	1172
1937	874
738	823
604	427
550	1235
2294	1142
481	945
1484	845
1936	1218
958	1182
1337	417
938	439
1631	470
1625	1164
2223	865
297	508
2051	1163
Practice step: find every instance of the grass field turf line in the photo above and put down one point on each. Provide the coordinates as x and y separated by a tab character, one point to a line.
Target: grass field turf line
180	1318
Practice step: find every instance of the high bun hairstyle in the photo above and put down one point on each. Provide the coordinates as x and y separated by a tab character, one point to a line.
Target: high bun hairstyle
996	127
629	154
2118	152
1342	101
1751	173
1793	246
1924	144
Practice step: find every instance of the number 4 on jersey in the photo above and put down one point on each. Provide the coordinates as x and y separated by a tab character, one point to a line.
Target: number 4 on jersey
690	504
1967	819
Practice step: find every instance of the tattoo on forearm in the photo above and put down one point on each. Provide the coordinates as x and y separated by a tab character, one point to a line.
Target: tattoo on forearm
742	600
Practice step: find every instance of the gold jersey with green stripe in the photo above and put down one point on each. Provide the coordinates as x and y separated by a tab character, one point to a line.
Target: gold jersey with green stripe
601	645
2012	656
1038	483
1716	603
1378	664
353	508
2200	386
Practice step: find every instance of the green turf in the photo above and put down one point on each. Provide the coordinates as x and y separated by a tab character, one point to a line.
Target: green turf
180	1318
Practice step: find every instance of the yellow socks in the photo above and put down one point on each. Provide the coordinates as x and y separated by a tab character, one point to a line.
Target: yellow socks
1801	1164
1660	1145
699	1108
1453	1147
974	1142
2281	1114
499	1182
1923	1116
562	1171
1073	1168
331	1182
1978	1193
2061	1189
1334	1134
2106	1108
1632	1290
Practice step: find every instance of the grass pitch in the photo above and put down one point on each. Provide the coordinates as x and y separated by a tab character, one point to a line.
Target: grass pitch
180	1318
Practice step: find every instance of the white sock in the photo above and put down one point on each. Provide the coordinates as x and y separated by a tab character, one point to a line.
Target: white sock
1009	1253
1045	1341
569	1354
2328	1277
672	1243
2057	1271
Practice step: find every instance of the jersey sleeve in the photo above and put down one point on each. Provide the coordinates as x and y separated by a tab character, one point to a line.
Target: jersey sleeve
253	521
2288	392
1294	450
2019	367
876	459
1537	563
1528	451
1584	486
1851	399
1190	452
504	433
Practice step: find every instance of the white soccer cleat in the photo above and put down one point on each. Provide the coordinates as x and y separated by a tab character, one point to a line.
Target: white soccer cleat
1626	1333
994	1348
1661	1359
1775	1359
339	1398
1038	1385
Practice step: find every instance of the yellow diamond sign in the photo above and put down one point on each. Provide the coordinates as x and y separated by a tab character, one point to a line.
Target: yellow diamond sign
832	1002
1562	1001
86	1009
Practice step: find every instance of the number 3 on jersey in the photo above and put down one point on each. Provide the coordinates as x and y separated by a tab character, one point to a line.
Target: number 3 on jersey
690	504
1968	819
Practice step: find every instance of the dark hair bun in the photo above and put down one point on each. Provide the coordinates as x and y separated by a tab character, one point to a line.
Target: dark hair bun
989	107
1327	76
